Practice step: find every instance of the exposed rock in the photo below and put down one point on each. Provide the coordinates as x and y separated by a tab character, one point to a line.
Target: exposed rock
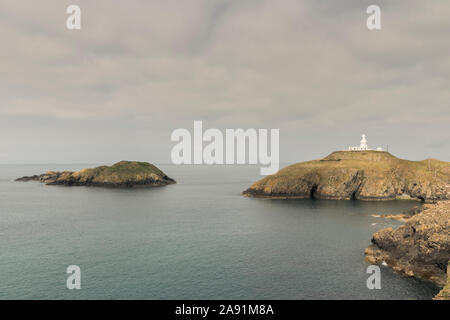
124	174
444	294
398	217
362	175
419	248
405	215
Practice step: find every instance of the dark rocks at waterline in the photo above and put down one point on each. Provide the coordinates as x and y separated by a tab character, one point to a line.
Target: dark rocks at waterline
419	248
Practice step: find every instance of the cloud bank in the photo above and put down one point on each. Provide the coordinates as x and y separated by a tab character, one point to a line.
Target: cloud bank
139	69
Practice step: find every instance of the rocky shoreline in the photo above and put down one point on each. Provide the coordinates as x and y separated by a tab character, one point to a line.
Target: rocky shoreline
418	248
124	174
444	294
357	175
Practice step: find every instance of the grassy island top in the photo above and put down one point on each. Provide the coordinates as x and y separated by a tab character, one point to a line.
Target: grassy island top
122	169
374	159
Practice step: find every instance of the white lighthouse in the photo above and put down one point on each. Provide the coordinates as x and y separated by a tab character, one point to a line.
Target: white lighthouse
363	145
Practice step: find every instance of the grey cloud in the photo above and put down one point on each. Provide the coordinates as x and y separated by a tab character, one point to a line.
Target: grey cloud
310	68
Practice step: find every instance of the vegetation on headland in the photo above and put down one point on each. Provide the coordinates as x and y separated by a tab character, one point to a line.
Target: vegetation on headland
361	175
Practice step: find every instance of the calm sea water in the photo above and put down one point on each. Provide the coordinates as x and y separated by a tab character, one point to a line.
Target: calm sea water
199	239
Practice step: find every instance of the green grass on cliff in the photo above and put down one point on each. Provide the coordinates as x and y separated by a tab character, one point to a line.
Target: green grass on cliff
133	167
121	171
378	160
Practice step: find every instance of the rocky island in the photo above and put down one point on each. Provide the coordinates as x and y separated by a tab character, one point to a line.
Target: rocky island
358	175
419	248
124	174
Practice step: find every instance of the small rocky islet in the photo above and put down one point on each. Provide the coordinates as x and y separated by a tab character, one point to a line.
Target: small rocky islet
123	174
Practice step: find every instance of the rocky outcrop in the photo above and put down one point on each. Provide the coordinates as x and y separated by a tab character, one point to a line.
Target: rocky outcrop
444	294
361	175
402	216
419	248
124	174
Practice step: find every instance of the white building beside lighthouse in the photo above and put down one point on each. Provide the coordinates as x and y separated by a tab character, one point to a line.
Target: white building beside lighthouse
363	146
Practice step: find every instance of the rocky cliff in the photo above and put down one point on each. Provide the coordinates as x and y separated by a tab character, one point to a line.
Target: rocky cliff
361	175
444	294
125	174
419	248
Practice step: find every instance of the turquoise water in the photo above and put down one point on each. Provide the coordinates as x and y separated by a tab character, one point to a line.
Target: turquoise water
199	239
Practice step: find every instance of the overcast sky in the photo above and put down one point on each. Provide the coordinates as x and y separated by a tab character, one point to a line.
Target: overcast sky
140	69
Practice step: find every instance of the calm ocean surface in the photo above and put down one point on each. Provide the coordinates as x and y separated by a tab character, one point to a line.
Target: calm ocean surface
198	239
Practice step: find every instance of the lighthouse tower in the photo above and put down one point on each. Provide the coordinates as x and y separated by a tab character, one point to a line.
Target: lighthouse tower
363	143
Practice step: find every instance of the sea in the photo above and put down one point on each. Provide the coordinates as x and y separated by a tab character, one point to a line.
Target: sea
197	239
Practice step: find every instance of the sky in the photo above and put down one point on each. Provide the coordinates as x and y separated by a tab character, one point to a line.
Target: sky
137	70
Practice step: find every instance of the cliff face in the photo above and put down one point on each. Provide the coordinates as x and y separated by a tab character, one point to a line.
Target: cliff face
362	175
419	248
444	294
125	174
